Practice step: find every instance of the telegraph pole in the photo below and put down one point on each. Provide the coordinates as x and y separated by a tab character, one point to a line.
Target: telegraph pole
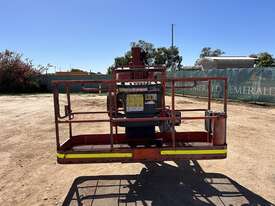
172	33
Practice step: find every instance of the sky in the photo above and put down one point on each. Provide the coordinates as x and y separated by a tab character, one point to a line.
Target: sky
89	34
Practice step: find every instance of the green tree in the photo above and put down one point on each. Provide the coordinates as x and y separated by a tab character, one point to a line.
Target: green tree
173	58
77	70
168	56
122	61
162	55
264	59
148	48
110	69
208	51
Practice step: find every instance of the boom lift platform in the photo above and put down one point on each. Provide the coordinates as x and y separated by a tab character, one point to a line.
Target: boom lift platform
136	101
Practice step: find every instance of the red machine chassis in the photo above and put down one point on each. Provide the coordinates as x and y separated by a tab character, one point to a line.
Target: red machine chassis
113	147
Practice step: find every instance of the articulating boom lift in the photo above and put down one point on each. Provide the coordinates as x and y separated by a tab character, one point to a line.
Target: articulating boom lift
136	101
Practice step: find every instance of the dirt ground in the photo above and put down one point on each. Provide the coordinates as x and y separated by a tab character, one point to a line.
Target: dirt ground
30	175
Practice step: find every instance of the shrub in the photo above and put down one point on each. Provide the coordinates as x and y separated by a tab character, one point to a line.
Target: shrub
17	74
264	60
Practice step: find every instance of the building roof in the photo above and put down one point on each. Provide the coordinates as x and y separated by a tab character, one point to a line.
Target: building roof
231	58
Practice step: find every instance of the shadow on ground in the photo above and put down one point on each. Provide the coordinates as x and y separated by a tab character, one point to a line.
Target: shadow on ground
161	184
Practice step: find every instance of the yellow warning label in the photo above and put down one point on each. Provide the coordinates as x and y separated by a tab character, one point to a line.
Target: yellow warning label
135	103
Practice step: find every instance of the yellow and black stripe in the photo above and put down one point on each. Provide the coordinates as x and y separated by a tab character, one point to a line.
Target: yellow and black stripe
193	152
130	155
93	155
